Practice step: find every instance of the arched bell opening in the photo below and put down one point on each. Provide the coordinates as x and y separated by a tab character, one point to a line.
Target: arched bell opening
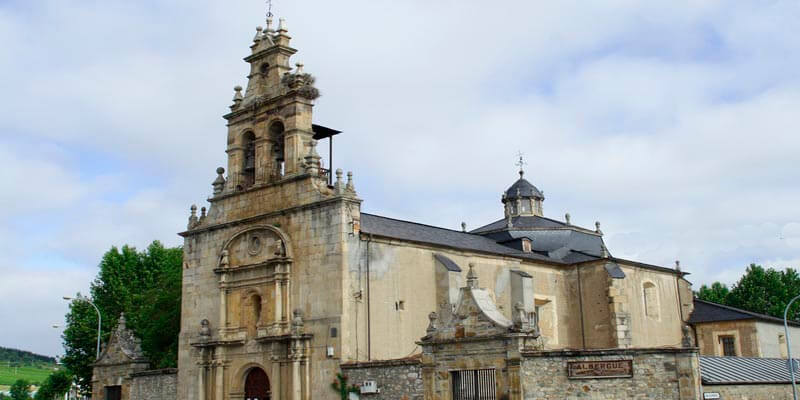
249	162
276	136
256	385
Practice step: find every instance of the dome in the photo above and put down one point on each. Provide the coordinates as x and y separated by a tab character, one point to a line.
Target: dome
525	189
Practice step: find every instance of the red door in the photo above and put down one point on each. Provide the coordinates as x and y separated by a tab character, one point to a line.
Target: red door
256	385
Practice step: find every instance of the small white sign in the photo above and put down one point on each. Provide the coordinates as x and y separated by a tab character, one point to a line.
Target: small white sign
711	395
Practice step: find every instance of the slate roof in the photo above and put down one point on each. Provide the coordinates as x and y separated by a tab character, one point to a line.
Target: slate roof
739	370
522	222
405	230
706	311
526	189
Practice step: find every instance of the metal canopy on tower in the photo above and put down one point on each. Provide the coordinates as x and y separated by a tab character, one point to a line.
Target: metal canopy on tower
322	132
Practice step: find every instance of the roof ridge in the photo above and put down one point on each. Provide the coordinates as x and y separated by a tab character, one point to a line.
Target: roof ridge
421	224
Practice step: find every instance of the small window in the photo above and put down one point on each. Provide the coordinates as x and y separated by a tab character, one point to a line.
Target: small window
334	332
400	305
728	343
474	384
263	68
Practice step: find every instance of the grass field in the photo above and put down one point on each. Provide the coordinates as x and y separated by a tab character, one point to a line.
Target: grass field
9	375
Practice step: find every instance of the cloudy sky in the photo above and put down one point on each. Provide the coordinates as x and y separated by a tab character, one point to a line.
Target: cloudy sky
672	123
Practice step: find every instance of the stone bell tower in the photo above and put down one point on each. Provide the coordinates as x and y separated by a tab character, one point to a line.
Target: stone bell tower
269	127
264	265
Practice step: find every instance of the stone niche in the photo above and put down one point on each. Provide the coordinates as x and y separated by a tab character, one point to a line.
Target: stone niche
254	279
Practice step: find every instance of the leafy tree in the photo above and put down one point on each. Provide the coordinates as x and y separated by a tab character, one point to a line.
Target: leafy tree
717	293
765	291
341	387
145	286
20	390
56	384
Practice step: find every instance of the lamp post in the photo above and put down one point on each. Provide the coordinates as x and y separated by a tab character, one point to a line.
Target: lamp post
99	318
789	346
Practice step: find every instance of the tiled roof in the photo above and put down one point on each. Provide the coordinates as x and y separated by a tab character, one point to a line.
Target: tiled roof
524	188
522	222
420	233
738	370
706	311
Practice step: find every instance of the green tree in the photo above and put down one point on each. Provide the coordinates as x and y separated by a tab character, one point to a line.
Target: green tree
145	286
20	390
717	293
342	388
56	384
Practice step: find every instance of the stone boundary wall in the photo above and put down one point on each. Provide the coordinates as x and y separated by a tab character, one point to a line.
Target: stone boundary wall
396	379
160	384
779	391
657	374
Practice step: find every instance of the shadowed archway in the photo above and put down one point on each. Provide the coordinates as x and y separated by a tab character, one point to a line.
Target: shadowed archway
256	385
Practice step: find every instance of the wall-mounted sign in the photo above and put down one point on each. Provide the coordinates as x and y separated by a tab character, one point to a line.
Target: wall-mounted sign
711	395
600	369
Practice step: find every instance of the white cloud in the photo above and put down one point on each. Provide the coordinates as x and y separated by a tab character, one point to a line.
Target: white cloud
671	123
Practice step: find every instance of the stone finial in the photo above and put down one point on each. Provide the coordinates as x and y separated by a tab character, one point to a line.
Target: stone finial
312	159
686	340
678	265
463	226
472	277
237	95
257	38
282	26
192	217
122	323
224	260
202	213
299	69
350	186
269	25
339	185
597	227
297	321
205	330
219	183
432	318
567	218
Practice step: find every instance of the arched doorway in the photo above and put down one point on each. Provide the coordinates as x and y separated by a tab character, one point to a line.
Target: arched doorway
256	385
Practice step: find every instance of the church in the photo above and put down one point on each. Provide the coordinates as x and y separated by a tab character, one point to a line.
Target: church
287	283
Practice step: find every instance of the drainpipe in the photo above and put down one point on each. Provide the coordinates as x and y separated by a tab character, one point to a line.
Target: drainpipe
369	299
580	305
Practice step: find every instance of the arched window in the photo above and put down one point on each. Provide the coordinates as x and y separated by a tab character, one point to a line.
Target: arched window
650	293
249	167
276	136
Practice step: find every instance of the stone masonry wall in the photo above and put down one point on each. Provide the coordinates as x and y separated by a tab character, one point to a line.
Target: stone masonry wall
751	392
667	374
155	385
396	379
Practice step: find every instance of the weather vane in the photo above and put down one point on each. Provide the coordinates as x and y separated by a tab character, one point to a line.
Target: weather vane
521	163
269	8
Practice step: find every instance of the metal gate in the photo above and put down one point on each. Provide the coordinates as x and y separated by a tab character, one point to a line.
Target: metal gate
474	384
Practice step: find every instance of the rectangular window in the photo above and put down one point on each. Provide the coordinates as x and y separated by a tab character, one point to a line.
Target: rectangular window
113	392
728	345
475	384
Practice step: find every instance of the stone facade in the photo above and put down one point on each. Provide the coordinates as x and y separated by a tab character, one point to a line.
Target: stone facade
751	392
395	379
159	384
657	374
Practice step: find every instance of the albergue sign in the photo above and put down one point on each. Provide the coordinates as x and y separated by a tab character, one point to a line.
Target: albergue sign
599	369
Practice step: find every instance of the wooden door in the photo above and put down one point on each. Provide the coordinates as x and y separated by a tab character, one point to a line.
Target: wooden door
256	385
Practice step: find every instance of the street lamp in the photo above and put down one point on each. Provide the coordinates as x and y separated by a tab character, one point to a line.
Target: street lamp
789	346
99	318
